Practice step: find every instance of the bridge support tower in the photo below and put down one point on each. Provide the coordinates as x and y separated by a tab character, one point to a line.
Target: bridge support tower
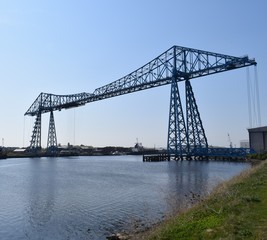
35	143
52	136
195	131
185	140
177	135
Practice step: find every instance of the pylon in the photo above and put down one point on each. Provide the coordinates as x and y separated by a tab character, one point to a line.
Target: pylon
36	133
52	137
195	131
177	137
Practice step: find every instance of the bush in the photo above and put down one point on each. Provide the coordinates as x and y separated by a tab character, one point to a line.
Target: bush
258	156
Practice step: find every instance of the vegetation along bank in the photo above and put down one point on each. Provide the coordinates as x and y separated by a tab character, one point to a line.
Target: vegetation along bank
237	209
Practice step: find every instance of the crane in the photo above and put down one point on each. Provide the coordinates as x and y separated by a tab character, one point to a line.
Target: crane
229	140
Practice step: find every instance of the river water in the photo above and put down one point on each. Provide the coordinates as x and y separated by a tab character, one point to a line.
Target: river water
93	197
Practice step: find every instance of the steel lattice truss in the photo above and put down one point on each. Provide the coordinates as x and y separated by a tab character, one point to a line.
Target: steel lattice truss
177	133
52	136
47	102
195	130
36	133
188	63
175	65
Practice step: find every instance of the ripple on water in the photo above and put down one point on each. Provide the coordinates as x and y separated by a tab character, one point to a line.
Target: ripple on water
90	198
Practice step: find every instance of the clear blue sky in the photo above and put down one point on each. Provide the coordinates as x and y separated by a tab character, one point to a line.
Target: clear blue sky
65	47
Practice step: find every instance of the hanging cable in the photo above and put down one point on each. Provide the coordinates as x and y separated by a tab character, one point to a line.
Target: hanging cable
254	103
73	127
257	95
23	136
249	97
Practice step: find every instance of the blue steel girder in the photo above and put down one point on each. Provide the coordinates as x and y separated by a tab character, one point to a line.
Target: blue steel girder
177	135
195	130
47	102
188	63
222	152
52	136
36	133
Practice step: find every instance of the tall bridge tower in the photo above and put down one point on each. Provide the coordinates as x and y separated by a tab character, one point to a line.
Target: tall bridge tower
186	134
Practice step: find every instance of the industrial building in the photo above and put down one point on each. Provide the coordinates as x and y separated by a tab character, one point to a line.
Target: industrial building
258	139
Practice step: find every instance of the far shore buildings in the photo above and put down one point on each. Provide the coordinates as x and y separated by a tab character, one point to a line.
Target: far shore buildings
244	144
258	139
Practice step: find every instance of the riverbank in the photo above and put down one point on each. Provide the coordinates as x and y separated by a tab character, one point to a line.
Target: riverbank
70	150
236	209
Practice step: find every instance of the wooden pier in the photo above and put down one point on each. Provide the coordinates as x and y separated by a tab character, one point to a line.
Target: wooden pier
156	158
167	157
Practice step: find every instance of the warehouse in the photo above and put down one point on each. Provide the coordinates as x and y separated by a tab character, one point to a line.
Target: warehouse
258	139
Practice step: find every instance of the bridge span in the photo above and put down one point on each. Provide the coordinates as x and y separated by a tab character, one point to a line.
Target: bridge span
186	134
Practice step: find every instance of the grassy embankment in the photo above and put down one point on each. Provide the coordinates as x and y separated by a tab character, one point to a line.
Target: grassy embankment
235	210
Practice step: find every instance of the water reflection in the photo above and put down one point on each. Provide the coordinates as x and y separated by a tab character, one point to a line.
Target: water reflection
41	195
92	197
187	181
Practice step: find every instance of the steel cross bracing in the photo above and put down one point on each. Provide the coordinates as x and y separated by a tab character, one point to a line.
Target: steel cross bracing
36	133
52	137
47	102
189	63
174	65
177	134
195	130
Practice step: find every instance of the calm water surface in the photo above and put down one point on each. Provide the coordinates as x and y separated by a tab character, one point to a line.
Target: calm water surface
93	197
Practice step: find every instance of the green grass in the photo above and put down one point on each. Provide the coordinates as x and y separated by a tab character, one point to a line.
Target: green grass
236	210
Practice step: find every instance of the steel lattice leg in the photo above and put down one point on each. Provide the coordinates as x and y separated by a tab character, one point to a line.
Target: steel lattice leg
52	137
177	137
196	133
36	133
